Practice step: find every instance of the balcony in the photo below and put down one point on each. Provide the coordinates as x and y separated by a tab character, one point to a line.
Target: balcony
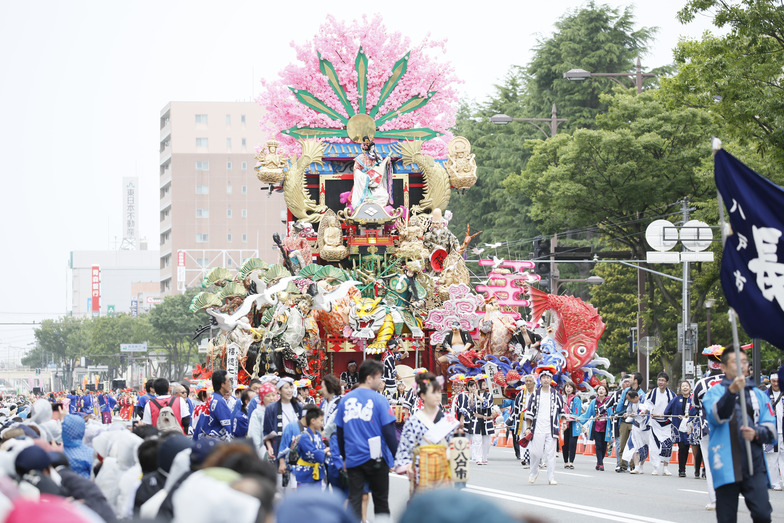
166	178
166	130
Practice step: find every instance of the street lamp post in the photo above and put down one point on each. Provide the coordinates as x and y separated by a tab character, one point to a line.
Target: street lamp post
579	75
709	303
553	121
591	280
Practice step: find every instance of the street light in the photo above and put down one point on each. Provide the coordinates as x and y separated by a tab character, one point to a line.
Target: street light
579	75
709	303
502	119
591	280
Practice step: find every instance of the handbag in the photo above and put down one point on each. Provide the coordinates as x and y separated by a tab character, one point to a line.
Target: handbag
525	440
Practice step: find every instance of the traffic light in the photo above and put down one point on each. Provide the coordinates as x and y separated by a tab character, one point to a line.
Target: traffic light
542	256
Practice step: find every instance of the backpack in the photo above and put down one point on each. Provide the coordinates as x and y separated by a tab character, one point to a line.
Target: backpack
167	418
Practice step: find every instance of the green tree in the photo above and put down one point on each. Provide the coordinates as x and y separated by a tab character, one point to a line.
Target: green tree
107	333
173	328
594	38
62	341
739	75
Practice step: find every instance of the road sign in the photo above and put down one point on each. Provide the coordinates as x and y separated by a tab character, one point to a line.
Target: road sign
133	347
647	344
110	310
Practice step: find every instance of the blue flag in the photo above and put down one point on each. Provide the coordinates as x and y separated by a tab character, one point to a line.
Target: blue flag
752	266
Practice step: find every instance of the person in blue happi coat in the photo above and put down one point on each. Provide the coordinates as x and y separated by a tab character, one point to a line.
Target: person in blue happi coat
727	455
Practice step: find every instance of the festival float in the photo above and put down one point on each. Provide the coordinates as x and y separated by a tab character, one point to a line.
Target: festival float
362	152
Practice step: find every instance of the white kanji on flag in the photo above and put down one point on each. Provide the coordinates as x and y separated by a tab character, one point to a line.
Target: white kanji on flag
736	207
740	280
743	242
770	273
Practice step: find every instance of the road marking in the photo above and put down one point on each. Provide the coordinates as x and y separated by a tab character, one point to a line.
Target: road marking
696	491
596	512
573	474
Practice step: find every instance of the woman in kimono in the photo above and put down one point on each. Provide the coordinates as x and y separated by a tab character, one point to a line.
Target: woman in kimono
572	409
481	405
681	408
599	428
422	451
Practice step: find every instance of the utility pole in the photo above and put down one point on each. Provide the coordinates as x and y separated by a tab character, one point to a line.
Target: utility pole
688	340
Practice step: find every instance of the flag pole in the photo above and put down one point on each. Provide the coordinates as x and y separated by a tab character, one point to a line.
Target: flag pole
734	320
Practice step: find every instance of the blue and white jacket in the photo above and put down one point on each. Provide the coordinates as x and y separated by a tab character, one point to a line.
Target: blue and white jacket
726	453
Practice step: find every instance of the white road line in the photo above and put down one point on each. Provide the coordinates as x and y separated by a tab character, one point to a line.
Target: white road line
696	491
597	512
573	474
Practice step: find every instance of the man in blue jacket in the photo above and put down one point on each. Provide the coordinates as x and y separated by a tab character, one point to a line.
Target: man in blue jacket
727	446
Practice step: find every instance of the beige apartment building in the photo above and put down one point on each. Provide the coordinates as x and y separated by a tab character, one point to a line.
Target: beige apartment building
213	212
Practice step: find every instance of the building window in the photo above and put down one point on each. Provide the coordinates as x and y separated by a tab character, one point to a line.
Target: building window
203	262
202	238
202	189
228	143
242	118
228	119
203	165
201	118
228	188
244	142
244	166
228	213
228	166
201	142
244	189
244	238
202	213
244	213
228	237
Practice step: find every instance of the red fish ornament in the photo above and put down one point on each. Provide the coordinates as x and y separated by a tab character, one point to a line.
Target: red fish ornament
579	325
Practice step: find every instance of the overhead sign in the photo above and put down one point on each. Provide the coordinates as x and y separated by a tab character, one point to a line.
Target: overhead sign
133	347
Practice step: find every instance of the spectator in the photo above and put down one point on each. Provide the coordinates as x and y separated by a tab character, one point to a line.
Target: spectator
163	399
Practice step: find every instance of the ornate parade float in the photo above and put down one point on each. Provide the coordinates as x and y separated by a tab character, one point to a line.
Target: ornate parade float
369	267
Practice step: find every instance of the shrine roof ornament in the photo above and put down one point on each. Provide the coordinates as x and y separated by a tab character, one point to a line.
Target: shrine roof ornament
361	125
357	79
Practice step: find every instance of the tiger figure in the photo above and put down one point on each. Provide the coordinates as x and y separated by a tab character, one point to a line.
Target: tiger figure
370	320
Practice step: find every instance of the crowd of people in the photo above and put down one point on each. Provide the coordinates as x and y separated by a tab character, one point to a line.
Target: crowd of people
127	457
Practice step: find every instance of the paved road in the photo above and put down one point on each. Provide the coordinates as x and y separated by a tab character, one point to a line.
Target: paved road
587	495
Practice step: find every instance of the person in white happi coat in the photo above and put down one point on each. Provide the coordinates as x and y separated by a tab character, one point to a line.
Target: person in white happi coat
543	419
775	454
660	435
516	420
483	429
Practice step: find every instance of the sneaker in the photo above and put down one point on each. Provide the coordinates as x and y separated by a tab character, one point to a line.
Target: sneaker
597	467
553	482
601	467
655	472
696	475
681	474
777	488
634	471
667	472
710	506
532	479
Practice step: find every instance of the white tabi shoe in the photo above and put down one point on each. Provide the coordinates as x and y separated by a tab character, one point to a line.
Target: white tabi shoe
666	472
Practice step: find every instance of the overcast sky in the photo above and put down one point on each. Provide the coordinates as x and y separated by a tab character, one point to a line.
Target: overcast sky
84	83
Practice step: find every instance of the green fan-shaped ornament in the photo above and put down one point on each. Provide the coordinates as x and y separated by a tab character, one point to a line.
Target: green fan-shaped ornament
204	300
328	272
275	272
232	289
308	271
217	276
250	265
